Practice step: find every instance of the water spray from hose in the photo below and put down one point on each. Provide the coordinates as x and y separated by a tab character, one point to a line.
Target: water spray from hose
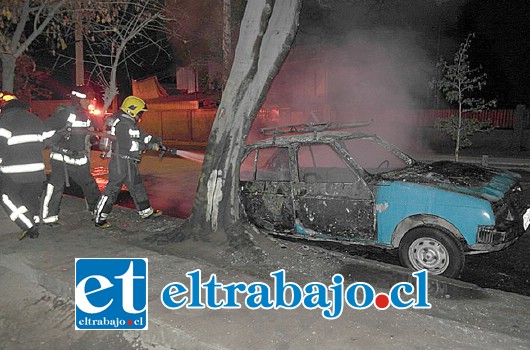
193	156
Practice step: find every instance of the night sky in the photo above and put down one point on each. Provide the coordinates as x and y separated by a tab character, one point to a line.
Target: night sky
501	46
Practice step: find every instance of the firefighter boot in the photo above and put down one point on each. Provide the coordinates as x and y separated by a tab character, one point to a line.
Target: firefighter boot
103	224
31	233
53	224
153	214
100	220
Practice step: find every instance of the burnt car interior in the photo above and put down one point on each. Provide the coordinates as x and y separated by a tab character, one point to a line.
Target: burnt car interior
320	163
305	177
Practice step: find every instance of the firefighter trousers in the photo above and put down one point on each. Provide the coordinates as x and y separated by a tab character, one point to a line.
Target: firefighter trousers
123	171
53	193
21	201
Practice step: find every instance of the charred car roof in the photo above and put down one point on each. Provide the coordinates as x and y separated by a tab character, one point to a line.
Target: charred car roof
326	132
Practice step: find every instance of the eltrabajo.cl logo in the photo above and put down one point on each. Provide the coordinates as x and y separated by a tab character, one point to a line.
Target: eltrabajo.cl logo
111	294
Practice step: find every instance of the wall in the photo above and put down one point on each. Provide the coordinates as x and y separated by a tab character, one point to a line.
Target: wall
178	122
180	127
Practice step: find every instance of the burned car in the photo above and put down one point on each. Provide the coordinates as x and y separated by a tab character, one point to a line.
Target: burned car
329	182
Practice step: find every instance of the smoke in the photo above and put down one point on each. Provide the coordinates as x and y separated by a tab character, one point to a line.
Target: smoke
380	75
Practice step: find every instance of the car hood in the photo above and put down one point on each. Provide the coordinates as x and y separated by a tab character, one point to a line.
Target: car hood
485	182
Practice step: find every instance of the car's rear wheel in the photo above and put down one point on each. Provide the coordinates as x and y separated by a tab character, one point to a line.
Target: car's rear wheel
432	249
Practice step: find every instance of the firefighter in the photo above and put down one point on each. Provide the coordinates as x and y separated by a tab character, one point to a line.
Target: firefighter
22	139
69	156
127	148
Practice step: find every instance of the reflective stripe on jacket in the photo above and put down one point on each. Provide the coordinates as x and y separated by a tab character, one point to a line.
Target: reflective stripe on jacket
21	142
130	140
78	120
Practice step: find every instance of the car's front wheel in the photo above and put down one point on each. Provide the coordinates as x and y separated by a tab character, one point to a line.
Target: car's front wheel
432	249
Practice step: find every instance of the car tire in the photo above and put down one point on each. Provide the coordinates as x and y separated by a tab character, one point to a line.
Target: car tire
432	249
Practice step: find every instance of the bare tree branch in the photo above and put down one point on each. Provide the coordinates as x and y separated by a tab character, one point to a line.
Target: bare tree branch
118	32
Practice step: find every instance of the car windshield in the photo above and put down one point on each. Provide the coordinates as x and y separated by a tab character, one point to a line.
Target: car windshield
373	157
321	163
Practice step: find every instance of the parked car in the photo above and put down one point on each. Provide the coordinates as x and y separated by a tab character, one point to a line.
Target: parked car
325	181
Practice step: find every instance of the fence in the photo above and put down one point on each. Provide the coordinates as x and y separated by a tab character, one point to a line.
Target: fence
176	122
180	127
500	118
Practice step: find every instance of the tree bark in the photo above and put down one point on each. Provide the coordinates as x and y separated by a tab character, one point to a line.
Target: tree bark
227	39
112	88
19	43
267	31
8	72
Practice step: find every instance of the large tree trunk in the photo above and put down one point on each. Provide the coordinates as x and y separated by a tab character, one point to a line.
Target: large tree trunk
267	31
8	72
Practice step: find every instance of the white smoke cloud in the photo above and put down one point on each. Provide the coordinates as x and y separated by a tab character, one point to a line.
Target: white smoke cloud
375	74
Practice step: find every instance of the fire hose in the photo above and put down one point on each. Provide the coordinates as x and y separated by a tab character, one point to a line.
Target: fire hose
165	150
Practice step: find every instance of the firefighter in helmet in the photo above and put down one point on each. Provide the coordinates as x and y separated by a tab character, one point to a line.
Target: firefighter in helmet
5	97
127	148
22	139
69	156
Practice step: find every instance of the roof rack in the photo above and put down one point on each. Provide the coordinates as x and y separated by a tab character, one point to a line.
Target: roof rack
312	127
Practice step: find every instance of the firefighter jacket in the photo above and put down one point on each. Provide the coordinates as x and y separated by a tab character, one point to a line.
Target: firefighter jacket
130	140
71	148
22	139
